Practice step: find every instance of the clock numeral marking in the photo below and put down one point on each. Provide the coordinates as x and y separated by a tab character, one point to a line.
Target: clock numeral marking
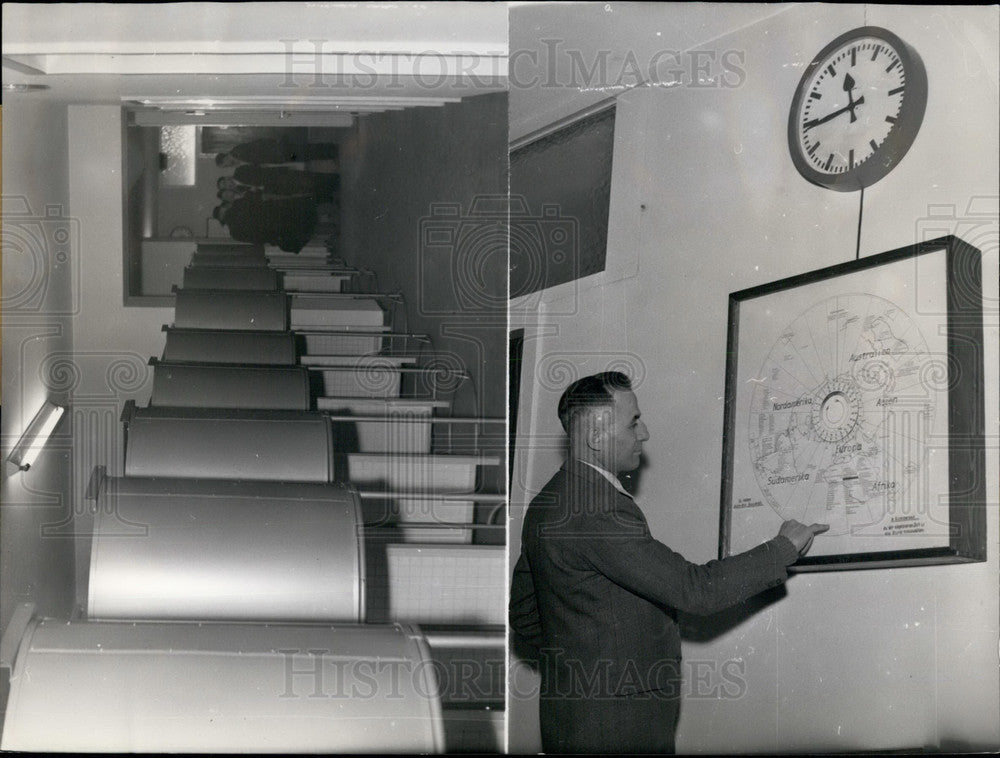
817	96
872	144
854	55
891	119
892	65
812	150
896	91
850	159
876	51
829	162
831	70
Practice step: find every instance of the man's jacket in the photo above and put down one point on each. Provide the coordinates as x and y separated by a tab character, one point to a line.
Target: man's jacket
597	594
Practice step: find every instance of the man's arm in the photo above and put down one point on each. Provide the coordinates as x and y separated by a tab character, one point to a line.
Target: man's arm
624	552
525	622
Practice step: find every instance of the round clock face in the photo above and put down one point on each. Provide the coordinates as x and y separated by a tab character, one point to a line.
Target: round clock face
857	109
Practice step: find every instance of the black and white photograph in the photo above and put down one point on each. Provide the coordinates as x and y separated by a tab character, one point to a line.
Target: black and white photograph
752	147
255	401
500	377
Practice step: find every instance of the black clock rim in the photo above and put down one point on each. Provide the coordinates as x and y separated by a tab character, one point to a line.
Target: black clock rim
902	135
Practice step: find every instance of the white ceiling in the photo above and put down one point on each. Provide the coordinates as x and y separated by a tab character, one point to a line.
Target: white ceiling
204	28
315	57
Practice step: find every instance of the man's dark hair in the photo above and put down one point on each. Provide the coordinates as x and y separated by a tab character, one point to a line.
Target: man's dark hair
220	158
219	181
590	392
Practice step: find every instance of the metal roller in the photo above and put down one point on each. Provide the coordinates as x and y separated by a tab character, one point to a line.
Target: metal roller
229	444
439	474
345	342
230	346
214	309
228	278
393	425
169	687
445	584
201	385
335	311
202	549
314	281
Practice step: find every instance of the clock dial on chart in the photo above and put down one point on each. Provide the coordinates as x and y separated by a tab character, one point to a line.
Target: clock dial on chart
841	415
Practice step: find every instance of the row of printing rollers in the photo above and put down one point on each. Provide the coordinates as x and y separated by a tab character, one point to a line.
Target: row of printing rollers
288	562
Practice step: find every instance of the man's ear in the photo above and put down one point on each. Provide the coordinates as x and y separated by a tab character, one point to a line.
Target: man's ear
595	430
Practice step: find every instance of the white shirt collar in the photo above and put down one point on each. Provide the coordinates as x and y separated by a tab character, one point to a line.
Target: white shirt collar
609	476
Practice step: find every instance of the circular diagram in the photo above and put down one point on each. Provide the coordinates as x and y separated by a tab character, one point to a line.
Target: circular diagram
839	417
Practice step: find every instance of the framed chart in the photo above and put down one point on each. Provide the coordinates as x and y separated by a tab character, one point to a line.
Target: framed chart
854	397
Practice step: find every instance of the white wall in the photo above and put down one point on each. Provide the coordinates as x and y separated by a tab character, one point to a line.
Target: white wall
112	344
705	201
39	247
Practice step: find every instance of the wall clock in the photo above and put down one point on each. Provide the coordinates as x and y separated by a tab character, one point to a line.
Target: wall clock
857	109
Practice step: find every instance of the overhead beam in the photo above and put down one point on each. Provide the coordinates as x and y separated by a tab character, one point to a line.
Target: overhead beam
242	118
303	65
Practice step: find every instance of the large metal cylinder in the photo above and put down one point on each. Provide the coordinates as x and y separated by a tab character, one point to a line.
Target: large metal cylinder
229	444
212	309
184	687
202	549
198	385
230	346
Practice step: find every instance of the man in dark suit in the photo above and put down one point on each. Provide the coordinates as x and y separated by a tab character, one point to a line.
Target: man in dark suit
281	180
596	595
286	221
279	150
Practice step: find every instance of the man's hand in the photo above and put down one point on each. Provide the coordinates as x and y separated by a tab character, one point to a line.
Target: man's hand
800	534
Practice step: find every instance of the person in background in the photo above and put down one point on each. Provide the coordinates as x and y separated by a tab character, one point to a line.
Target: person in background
281	180
277	150
284	221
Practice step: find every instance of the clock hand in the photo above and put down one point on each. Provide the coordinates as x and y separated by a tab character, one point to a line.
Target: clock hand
848	86
830	116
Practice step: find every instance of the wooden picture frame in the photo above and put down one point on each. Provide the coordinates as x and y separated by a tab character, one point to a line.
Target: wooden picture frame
855	397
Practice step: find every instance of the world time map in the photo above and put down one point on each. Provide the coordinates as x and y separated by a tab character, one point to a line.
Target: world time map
840	413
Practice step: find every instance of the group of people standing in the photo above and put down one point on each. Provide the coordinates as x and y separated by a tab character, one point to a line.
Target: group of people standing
265	202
